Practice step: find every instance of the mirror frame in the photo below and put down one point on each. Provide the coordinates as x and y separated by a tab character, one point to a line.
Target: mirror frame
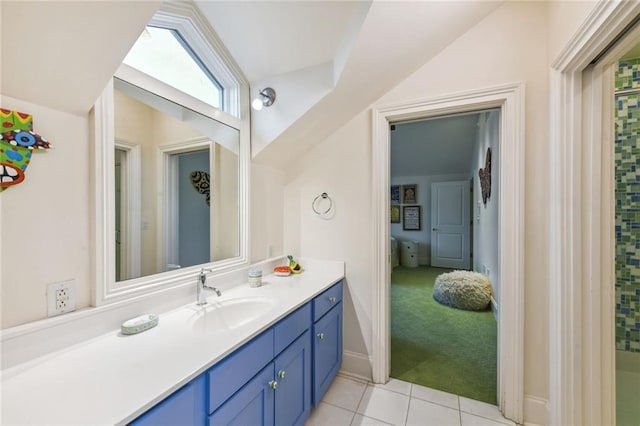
106	289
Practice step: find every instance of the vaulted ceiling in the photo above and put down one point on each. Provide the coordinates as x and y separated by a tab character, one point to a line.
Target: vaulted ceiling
268	38
330	59
371	47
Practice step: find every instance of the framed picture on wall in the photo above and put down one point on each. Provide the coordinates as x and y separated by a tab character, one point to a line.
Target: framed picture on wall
410	194
411	218
395	214
395	195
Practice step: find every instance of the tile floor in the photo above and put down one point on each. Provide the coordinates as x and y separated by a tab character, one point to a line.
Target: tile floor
353	402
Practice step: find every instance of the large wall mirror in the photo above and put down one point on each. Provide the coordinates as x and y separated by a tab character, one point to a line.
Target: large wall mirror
171	189
186	166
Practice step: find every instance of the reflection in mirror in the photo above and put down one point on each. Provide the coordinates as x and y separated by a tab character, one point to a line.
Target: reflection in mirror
177	185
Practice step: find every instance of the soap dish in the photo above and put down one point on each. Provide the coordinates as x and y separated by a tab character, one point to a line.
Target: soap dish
138	324
282	271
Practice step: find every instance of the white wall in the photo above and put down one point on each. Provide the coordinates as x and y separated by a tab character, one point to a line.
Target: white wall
340	166
509	45
485	216
564	19
44	234
423	237
267	214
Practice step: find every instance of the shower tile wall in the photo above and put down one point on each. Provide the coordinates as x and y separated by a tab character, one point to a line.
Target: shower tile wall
627	155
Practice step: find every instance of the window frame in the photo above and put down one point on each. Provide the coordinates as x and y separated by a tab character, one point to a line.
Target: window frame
180	40
196	32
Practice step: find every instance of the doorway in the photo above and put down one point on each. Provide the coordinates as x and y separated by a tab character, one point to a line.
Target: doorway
627	223
187	206
582	365
510	100
438	161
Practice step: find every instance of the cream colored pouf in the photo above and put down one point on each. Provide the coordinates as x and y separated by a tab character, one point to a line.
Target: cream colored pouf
463	290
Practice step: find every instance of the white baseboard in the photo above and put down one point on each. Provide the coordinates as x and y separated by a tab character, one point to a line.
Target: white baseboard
536	411
356	365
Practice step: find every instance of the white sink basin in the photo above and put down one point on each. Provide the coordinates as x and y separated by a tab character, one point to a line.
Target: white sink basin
227	314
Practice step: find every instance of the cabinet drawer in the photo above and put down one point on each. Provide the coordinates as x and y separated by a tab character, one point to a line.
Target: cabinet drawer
230	374
287	330
326	301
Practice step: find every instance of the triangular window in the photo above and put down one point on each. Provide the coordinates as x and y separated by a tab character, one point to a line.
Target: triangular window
164	55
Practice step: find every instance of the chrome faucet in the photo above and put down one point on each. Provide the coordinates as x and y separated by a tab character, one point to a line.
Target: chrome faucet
202	287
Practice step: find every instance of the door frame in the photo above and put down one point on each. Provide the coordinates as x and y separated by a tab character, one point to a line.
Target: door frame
168	209
510	99
130	263
582	240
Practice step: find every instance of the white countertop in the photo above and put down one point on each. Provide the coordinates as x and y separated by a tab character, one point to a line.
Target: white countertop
113	378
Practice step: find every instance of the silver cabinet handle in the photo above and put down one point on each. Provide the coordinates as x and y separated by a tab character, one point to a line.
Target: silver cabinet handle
273	384
332	299
320	336
281	374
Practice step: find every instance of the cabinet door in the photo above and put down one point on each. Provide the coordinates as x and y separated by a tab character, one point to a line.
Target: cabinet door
184	407
251	405
293	374
327	351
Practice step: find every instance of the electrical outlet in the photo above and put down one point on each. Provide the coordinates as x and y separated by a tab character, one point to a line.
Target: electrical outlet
61	297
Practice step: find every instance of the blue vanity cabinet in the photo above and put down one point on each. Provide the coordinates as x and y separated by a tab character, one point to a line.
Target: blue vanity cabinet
293	375
236	370
184	407
253	404
327	340
280	393
274	379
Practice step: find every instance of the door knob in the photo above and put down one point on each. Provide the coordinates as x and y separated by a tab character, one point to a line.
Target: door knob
273	384
332	299
281	374
320	336
434	229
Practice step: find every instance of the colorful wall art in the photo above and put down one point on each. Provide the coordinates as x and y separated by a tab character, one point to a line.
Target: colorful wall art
18	141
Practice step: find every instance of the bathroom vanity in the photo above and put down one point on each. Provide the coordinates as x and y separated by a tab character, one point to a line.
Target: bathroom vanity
259	356
273	379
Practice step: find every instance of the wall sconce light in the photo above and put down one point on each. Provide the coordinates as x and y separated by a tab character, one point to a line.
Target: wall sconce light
266	98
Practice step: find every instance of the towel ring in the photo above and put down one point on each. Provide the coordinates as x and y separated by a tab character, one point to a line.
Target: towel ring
316	203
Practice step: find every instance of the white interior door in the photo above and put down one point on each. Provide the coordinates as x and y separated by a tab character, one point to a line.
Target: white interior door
450	227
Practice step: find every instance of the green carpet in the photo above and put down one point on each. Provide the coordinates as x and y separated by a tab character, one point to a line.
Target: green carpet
437	346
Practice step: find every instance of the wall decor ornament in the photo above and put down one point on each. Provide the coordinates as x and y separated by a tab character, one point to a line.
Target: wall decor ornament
395	194
17	143
411	216
410	194
485	178
201	183
395	214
